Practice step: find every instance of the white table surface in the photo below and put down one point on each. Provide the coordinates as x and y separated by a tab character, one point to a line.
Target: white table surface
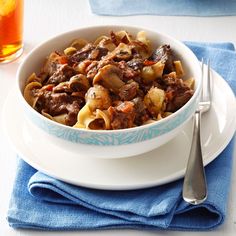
46	18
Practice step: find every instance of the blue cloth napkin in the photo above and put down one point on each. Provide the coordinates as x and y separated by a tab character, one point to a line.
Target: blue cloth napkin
164	7
41	202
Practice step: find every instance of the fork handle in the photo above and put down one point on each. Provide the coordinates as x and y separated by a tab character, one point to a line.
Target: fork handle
194	188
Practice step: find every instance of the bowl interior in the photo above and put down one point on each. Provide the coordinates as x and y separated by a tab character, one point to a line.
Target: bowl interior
34	61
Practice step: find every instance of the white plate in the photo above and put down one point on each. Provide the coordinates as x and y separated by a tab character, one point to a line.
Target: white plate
157	167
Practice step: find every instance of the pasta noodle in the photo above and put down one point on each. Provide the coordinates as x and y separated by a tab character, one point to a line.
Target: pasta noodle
33	78
92	120
179	69
29	94
69	51
84	117
100	121
79	43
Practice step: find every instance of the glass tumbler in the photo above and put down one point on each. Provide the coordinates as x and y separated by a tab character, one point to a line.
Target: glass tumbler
11	29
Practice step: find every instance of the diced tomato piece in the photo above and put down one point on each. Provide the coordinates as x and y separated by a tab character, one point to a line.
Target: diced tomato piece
48	87
149	63
63	60
126	107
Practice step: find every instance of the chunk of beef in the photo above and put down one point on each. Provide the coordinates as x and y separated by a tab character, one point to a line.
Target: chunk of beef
164	54
62	74
82	54
73	110
128	72
179	100
135	64
76	86
171	81
146	87
177	93
62	87
122	116
51	64
128	91
140	111
98	53
58	103
94	67
89	52
92	70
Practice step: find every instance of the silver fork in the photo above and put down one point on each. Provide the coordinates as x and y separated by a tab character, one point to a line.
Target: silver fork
195	186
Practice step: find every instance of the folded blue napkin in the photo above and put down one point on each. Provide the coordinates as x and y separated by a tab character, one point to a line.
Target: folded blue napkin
41	202
164	7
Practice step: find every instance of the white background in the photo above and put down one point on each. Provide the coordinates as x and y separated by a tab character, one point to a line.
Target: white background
46	18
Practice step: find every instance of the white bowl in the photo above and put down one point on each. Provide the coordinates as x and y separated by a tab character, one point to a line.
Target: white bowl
110	143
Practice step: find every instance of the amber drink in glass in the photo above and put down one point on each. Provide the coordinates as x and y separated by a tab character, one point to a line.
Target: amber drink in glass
11	29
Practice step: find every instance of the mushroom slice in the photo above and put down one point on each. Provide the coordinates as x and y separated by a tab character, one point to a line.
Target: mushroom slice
97	97
82	66
78	82
123	52
30	94
109	77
